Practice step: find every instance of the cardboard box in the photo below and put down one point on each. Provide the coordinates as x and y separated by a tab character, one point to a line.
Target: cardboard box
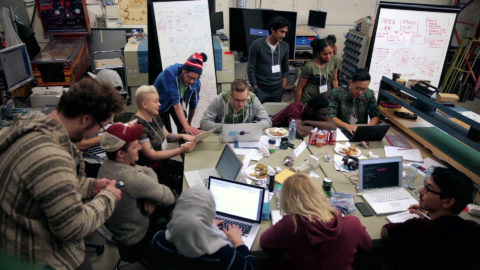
136	63
445	97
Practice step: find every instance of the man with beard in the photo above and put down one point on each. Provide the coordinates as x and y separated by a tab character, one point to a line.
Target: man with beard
308	116
48	205
438	238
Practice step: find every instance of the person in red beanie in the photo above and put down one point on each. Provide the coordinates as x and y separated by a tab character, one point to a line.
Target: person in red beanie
143	195
179	89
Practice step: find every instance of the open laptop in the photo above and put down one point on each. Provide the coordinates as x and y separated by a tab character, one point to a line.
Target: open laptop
240	204
228	166
204	135
367	133
244	132
381	185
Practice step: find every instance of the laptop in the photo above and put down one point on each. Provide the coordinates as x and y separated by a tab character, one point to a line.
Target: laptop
244	132
367	133
204	135
240	204
228	167
381	185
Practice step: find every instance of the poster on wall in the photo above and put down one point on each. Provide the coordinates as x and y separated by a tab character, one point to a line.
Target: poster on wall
183	27
411	40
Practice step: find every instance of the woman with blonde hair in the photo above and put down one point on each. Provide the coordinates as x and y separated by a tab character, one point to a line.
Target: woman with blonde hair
312	233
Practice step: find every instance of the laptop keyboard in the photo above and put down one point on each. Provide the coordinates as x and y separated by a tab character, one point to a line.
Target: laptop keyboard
388	195
245	227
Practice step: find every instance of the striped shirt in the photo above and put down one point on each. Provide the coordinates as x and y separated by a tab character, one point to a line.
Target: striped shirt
43	216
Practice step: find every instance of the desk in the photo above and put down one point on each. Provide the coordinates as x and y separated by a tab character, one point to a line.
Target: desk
208	151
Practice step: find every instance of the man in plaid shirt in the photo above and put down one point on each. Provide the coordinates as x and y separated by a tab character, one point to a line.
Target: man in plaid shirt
353	104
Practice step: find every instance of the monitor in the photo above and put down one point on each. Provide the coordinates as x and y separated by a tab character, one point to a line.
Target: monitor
380	172
15	66
216	21
317	18
247	25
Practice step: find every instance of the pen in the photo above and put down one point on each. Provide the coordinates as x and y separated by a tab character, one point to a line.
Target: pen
422	213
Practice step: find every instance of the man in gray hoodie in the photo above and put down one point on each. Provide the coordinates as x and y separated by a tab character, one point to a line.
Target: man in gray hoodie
233	107
268	62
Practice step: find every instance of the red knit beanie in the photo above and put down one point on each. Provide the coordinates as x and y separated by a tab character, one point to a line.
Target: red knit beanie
195	62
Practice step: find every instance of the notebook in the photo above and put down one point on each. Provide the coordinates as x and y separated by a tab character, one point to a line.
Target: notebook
238	203
228	166
244	132
381	185
367	133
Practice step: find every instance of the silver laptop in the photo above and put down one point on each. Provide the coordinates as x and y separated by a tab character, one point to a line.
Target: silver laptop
244	132
204	135
381	185
228	167
240	204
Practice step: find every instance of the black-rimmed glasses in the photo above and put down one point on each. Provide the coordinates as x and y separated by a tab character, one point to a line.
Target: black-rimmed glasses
427	189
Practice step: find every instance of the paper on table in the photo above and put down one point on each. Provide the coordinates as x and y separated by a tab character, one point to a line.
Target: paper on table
300	148
407	154
313	174
401	217
340	136
276	216
283	175
338	163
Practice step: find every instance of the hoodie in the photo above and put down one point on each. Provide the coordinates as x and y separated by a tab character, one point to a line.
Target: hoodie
221	109
43	218
317	245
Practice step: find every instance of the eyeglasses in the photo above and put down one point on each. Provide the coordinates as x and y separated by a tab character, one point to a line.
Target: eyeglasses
361	89
427	189
102	127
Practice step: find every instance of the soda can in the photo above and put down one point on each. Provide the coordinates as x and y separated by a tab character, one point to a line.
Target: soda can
333	136
312	138
328	137
327	186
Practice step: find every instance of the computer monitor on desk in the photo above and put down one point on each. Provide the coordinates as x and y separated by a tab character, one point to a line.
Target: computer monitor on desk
15	67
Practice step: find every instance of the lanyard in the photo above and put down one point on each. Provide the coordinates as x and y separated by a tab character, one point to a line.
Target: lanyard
155	121
320	72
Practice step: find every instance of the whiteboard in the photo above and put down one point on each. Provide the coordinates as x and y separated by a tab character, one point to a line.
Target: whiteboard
413	43
183	27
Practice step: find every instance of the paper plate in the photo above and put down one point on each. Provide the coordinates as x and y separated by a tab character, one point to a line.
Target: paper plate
339	147
251	170
277	133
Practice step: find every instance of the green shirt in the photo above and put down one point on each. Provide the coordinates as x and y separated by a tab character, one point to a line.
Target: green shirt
311	72
182	88
342	105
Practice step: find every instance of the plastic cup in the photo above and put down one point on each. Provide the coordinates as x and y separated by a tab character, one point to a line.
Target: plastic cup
410	176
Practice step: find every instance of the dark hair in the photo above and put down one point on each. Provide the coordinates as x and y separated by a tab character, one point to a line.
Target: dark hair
239	85
361	74
318	45
331	39
317	102
278	22
453	184
88	96
113	155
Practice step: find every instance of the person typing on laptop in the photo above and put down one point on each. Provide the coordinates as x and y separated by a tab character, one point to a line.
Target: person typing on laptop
352	104
193	239
235	106
308	116
313	234
442	238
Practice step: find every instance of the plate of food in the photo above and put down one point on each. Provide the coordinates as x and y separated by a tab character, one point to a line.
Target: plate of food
258	172
276	132
348	150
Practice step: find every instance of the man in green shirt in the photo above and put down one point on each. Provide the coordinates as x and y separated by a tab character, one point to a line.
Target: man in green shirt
353	104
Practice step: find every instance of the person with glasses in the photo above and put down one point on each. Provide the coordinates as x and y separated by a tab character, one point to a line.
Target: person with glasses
308	116
48	205
179	89
233	107
438	238
353	104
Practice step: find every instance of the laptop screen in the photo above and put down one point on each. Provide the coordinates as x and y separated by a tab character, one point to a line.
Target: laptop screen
228	165
380	172
237	199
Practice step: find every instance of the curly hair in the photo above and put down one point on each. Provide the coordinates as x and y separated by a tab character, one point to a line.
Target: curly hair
88	96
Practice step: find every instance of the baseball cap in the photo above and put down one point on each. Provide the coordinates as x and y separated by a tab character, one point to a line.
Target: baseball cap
118	135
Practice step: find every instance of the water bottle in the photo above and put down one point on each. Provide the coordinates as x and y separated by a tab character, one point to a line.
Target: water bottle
292	129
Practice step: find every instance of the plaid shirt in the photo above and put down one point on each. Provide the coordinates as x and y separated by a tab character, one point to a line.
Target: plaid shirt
341	104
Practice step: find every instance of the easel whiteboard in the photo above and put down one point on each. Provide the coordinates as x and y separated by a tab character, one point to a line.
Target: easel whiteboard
411	40
183	27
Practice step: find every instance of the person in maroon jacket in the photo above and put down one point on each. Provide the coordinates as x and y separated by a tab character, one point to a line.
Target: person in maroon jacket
439	238
313	234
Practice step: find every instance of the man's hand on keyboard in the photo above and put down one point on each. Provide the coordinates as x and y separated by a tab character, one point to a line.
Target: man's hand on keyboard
217	222
234	234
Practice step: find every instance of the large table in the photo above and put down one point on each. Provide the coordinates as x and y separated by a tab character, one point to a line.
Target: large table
208	151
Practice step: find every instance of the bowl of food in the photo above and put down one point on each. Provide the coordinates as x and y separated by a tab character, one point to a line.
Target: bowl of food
277	132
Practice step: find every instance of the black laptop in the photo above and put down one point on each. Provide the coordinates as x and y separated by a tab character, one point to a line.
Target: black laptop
367	133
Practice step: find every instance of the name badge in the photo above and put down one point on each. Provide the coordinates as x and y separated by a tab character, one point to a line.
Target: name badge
275	68
323	89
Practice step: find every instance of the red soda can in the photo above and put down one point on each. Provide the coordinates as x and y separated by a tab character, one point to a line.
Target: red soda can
328	137
333	136
312	137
